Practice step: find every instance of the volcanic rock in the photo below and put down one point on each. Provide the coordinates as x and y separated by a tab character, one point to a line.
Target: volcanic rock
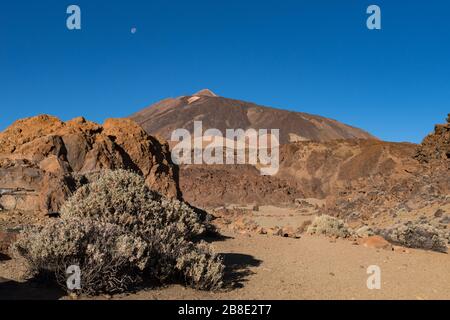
43	160
376	242
436	146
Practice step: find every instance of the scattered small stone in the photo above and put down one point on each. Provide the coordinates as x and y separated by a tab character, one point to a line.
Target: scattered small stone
445	220
73	296
261	230
288	232
439	213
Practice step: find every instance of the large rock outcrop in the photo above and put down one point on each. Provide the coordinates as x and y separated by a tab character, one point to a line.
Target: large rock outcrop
435	148
43	159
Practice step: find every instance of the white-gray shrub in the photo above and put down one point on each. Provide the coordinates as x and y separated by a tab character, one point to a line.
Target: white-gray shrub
119	231
329	226
419	235
110	260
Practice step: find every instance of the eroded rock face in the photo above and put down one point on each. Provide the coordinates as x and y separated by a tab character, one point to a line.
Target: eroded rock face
43	160
307	170
435	148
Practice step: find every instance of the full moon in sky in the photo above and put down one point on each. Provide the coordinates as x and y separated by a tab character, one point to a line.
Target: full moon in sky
133	30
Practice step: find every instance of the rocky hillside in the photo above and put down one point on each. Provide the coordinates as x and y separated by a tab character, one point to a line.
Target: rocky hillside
43	160
221	113
307	170
361	181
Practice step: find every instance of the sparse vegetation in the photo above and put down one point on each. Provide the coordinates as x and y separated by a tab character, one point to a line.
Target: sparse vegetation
419	235
110	260
329	226
122	198
119	232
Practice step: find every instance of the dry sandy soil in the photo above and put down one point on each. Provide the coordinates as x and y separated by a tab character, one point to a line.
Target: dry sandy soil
316	268
269	267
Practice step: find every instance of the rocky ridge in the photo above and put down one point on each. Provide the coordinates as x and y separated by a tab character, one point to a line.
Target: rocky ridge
43	159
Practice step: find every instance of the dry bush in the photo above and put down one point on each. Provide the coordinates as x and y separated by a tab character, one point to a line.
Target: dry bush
122	198
417	235
118	231
200	266
172	258
110	260
329	226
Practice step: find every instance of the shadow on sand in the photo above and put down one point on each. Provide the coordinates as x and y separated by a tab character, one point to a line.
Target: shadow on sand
12	290
237	268
237	265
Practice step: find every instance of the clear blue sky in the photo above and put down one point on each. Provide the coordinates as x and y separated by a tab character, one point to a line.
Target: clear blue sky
315	56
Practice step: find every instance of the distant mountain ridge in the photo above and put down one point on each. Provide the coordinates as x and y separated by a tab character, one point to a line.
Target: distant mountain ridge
167	115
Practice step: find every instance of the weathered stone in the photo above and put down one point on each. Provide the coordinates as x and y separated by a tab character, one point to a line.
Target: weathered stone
261	230
364	232
439	213
42	158
376	242
435	148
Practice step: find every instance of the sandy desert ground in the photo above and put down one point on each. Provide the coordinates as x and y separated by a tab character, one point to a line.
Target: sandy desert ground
313	267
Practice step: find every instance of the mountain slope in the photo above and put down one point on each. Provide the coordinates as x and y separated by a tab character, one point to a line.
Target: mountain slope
163	117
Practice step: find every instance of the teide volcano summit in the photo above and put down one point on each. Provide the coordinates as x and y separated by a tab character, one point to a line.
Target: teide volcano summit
222	113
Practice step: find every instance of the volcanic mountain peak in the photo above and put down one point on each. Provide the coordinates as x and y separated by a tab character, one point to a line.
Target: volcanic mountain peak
163	117
206	93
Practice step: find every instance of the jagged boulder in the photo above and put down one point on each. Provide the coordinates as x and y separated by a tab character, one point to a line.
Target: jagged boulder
43	160
436	146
